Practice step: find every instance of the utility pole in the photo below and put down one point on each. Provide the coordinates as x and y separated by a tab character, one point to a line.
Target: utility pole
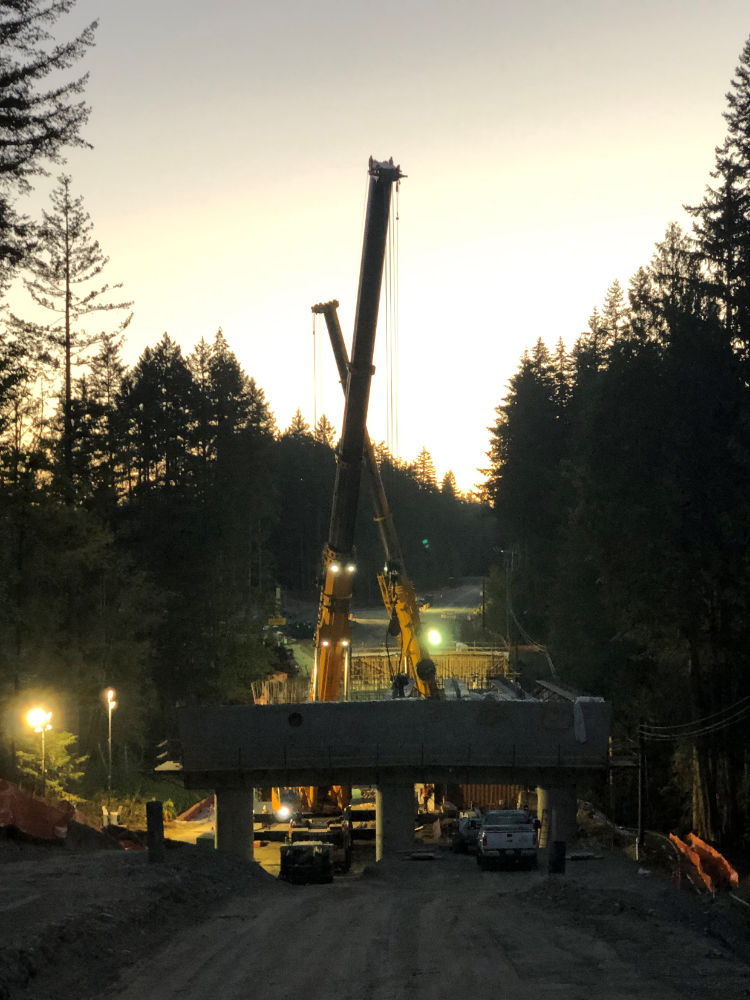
111	704
639	845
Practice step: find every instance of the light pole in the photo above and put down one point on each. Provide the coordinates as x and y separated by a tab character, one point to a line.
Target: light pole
41	721
111	705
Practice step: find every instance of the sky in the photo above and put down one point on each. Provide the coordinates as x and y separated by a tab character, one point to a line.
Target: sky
546	147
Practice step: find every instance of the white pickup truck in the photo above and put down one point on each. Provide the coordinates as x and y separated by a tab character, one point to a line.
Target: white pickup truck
508	836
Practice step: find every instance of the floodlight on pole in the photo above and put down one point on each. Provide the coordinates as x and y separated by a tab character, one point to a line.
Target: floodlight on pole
41	721
111	705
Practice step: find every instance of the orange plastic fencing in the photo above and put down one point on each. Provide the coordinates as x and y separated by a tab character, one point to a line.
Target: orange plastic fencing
200	811
714	863
695	860
35	817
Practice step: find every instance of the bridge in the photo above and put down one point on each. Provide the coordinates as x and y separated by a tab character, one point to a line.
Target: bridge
392	745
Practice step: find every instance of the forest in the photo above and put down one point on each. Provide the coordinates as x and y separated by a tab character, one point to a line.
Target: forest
619	477
151	514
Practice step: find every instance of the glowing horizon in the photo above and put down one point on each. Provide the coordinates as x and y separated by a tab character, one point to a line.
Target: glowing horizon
546	151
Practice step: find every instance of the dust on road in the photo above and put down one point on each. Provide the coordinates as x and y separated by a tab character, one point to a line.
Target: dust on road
442	928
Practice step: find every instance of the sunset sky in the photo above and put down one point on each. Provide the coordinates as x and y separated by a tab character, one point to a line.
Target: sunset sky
546	145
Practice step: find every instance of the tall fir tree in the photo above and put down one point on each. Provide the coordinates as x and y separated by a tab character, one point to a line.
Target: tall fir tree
722	220
65	274
41	112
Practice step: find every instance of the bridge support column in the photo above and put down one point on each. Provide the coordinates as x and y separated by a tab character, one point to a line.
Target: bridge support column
561	805
234	821
394	819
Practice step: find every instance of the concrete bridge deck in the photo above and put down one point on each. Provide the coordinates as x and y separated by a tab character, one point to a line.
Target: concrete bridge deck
392	745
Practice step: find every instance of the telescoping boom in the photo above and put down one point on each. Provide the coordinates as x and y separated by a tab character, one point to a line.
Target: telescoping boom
333	632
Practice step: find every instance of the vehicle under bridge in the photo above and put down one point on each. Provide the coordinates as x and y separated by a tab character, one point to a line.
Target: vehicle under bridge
392	745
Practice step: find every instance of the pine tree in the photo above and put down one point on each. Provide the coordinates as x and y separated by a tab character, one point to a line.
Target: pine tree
722	223
325	432
158	398
65	272
614	313
106	459
448	486
40	113
299	427
424	470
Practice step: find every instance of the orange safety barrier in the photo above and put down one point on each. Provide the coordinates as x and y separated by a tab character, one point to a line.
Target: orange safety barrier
35	817
714	863
695	860
202	810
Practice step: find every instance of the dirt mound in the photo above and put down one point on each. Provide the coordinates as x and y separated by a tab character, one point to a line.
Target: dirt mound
73	919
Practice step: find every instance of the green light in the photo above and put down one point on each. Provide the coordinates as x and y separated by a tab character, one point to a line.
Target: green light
434	637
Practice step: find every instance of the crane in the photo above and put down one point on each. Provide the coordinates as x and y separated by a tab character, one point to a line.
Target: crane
396	588
332	641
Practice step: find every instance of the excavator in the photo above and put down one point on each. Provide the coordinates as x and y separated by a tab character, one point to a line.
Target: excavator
416	669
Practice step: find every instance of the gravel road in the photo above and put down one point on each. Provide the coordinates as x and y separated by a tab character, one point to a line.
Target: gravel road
442	928
109	924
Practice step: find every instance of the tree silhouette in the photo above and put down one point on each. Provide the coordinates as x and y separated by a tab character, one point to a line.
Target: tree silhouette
65	271
40	113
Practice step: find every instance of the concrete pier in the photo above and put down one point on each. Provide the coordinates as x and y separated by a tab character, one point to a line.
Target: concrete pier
234	821
394	819
561	805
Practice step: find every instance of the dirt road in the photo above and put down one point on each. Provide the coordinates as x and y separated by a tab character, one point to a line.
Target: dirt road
442	928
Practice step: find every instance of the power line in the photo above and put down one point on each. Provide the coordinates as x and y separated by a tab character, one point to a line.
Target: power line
723	719
697	722
542	649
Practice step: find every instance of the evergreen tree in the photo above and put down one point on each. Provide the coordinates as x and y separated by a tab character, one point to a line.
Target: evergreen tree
448	486
107	460
40	112
614	313
299	427
528	446
723	218
325	432
424	470
65	270
158	400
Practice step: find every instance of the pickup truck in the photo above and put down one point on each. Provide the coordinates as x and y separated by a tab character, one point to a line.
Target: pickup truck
508	836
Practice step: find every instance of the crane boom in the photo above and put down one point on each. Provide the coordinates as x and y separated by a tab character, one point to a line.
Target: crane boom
333	633
396	588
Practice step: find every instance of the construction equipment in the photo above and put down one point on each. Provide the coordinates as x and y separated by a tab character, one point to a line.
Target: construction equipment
396	588
333	633
332	641
306	861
